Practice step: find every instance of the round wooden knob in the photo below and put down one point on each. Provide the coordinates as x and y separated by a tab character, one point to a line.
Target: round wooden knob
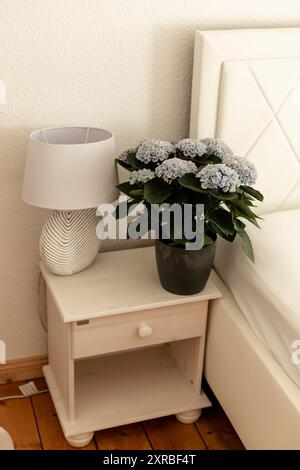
145	331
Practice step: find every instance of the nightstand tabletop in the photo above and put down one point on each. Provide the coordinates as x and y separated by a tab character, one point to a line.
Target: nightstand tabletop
117	282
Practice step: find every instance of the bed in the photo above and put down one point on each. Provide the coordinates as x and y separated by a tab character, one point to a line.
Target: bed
267	292
246	91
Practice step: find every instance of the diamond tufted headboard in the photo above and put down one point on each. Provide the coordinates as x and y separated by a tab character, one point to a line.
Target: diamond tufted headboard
246	90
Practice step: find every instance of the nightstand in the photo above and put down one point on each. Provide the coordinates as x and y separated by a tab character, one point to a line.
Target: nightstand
121	348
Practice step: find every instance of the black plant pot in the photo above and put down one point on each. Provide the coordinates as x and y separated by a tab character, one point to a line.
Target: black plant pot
183	272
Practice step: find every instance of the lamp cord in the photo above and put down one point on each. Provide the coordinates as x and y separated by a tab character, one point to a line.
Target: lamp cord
12	397
41	304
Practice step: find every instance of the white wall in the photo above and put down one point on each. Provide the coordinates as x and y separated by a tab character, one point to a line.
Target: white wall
121	64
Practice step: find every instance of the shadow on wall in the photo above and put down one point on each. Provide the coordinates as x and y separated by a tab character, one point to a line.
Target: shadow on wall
172	68
172	64
13	149
19	237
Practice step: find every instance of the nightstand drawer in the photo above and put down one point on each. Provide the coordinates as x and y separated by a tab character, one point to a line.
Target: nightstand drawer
138	329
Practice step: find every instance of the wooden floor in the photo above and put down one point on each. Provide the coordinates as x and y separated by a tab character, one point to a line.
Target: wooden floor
33	424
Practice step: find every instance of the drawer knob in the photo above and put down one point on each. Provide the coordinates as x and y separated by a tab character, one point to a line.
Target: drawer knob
145	330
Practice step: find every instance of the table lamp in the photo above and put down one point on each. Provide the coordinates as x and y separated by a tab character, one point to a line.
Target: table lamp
71	170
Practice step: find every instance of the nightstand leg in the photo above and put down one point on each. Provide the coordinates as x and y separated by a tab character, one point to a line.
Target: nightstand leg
80	440
189	416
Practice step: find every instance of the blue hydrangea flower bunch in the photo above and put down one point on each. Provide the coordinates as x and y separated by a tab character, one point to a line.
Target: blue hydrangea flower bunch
219	176
195	171
154	151
141	176
246	170
191	148
174	168
217	147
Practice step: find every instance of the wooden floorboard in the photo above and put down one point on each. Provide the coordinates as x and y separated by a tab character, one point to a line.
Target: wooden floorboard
17	417
51	434
168	434
217	431
131	437
33	425
50	431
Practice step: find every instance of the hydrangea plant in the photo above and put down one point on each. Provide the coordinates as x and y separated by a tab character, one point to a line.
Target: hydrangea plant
195	171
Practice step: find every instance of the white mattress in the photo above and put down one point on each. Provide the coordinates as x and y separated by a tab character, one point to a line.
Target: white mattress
268	291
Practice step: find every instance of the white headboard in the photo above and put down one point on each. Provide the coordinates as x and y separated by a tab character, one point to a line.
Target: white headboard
246	91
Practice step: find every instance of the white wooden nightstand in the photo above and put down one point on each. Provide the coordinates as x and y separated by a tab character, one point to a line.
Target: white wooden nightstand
121	348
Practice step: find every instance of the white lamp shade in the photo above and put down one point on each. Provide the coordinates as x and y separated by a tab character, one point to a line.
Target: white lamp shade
70	168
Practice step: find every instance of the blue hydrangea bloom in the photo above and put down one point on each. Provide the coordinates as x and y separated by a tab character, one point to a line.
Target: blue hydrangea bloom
245	169
154	151
174	168
191	147
217	147
141	176
124	155
219	176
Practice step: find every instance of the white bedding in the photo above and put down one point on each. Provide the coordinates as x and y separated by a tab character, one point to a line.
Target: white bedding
268	291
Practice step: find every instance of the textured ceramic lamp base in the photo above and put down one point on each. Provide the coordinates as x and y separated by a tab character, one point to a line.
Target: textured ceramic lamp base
68	242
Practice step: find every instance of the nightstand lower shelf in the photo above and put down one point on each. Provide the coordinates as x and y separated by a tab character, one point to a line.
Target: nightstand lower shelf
119	389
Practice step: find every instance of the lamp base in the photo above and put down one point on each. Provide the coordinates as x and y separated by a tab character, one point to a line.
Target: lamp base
68	242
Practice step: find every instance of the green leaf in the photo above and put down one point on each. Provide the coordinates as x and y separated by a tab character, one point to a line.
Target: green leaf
251	220
216	229
238	224
253	192
246	244
248	201
127	188
134	162
198	198
180	196
179	154
240	208
191	182
156	191
123	164
222	219
222	195
211	158
208	240
137	192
